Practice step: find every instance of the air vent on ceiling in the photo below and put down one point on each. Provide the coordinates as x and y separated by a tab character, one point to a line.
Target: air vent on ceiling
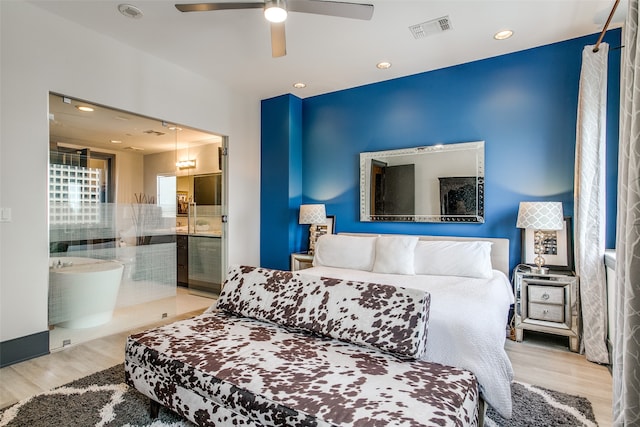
429	28
132	148
130	11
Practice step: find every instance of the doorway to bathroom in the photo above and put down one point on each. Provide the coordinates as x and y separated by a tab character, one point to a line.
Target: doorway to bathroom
116	181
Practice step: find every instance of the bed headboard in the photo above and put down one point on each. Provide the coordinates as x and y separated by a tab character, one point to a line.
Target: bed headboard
499	249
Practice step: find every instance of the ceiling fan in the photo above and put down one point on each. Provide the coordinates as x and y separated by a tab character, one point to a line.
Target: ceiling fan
275	11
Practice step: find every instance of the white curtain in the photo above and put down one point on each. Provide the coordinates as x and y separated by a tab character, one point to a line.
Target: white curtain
626	344
589	200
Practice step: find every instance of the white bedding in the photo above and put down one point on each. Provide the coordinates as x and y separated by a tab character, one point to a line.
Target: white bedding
467	322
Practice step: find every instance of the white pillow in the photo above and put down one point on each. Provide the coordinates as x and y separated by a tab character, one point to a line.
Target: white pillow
354	252
395	254
449	258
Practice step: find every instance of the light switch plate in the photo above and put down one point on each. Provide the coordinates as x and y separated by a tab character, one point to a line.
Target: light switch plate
5	214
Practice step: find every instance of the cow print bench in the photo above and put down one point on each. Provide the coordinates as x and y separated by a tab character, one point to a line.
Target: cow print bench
284	349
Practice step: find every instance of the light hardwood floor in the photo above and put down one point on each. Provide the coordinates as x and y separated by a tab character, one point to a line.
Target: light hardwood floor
70	363
545	361
537	360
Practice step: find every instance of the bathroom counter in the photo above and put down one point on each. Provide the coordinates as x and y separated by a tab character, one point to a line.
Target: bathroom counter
207	233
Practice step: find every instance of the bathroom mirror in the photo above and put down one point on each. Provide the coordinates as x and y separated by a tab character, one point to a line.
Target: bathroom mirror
437	183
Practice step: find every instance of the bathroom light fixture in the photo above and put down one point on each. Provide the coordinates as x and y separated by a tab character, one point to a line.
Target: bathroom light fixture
503	35
186	164
299	85
84	108
275	11
383	65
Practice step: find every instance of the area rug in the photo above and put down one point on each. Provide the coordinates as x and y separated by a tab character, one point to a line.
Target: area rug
540	407
102	399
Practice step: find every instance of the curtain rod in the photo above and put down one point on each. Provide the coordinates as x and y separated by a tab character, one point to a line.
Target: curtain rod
606	26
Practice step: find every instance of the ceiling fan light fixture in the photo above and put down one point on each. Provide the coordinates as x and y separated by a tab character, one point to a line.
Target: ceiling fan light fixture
275	11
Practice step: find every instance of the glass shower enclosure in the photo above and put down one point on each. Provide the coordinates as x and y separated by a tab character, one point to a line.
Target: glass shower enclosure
121	225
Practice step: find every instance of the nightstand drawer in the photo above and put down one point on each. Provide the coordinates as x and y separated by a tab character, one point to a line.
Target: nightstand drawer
546	294
548	312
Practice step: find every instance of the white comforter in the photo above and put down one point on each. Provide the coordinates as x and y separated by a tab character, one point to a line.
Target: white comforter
467	320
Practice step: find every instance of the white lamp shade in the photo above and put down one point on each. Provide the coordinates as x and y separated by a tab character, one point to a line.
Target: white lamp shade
312	214
540	215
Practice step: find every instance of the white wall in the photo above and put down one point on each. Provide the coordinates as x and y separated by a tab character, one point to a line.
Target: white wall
129	177
41	52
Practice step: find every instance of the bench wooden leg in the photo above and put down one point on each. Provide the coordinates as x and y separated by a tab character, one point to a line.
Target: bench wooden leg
154	409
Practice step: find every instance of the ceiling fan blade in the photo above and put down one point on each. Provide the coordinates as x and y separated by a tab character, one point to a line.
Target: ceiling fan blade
332	8
278	40
204	7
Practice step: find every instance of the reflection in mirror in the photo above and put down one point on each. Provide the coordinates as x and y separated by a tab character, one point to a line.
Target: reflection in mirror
438	183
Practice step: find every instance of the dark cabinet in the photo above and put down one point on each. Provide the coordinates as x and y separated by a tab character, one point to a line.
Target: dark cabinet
182	244
205	257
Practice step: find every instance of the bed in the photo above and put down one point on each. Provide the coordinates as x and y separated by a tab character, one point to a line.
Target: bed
467	279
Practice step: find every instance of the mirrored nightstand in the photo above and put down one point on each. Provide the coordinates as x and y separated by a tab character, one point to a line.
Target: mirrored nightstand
548	303
301	260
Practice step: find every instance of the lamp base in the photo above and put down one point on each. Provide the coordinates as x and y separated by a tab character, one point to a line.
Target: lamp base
539	270
312	241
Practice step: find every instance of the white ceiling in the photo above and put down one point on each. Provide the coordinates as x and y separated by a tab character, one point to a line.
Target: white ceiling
329	53
117	130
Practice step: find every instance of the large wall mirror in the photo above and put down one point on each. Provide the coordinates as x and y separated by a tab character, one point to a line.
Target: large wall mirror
437	183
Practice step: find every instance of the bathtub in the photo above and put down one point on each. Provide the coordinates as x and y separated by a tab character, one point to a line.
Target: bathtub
82	291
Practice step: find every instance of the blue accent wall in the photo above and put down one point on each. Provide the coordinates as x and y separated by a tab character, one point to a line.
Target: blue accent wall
281	178
523	105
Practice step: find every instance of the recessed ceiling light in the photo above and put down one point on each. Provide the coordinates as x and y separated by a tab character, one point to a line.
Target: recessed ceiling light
130	11
503	35
299	85
383	65
84	108
116	141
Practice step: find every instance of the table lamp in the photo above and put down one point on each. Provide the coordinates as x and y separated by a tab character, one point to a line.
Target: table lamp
312	214
540	216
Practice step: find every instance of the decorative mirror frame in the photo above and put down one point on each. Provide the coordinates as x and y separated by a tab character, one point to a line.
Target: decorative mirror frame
365	188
